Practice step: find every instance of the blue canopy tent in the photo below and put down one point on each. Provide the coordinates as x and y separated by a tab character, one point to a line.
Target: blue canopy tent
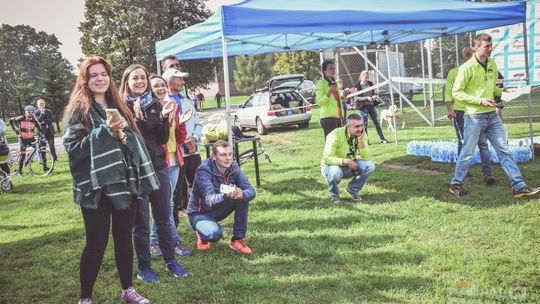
260	26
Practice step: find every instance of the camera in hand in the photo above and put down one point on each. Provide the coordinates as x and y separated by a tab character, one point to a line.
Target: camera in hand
331	81
499	105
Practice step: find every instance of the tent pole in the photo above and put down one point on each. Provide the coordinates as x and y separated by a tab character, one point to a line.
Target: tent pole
456	46
441	57
527	73
399	75
379	73
336	61
430	76
391	91
157	67
227	89
423	72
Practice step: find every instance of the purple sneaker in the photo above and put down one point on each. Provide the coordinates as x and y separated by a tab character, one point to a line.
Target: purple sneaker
181	250
131	296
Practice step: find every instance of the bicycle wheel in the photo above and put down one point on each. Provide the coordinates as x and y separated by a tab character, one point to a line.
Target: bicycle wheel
245	156
36	164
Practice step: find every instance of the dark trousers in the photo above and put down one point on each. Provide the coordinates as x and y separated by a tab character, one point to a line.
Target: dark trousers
97	224
50	138
186	177
206	224
160	201
372	112
328	124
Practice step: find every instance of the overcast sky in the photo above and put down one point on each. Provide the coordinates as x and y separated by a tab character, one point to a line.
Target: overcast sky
59	17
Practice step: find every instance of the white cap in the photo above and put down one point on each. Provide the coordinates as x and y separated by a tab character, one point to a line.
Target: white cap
170	73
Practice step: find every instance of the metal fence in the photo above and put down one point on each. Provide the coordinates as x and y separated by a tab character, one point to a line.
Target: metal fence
409	66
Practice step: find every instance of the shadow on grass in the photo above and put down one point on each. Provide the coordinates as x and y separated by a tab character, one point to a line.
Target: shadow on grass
22	227
48	265
436	186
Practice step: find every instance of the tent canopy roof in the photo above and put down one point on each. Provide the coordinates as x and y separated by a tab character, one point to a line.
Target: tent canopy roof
261	26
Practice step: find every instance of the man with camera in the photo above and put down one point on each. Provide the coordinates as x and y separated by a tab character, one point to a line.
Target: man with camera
346	154
475	87
220	188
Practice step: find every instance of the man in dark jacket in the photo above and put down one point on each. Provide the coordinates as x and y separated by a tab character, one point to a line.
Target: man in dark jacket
45	119
219	189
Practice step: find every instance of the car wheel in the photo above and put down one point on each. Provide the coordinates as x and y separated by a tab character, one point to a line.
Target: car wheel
260	127
238	124
303	125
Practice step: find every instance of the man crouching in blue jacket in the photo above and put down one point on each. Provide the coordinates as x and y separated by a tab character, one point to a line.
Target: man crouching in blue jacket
220	188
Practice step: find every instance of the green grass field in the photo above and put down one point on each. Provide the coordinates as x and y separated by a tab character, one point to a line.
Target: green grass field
410	241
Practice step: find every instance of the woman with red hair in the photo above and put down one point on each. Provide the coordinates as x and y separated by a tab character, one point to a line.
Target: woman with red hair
111	169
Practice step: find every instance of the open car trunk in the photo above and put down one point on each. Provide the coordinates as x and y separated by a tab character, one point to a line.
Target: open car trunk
288	103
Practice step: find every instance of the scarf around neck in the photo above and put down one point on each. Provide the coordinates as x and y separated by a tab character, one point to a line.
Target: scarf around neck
146	99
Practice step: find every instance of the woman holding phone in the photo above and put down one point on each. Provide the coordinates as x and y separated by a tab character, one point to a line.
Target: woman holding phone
152	119
110	168
328	97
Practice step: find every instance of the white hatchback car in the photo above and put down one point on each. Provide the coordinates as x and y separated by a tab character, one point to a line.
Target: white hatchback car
278	104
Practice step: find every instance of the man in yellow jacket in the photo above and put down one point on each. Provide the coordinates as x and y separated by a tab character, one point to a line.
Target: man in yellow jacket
456	113
475	87
346	154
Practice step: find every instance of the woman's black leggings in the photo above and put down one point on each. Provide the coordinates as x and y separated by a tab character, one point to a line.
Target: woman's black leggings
97	224
328	124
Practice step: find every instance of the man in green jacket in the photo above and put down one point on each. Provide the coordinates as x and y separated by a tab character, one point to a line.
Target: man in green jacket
456	113
346	154
475	87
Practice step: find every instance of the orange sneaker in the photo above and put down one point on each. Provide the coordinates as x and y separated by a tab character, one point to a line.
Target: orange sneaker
200	244
240	246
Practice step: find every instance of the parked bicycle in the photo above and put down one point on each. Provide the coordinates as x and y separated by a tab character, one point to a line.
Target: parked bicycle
248	155
38	158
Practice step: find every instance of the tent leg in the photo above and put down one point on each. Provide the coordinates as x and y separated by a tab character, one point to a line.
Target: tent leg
399	75
527	73
379	73
391	90
423	72
227	89
430	75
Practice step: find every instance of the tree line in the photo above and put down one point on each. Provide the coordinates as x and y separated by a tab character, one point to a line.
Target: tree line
32	68
124	32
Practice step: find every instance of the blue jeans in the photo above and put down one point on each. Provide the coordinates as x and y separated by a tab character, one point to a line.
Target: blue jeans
485	156
206	224
160	212
173	175
334	175
370	109
491	125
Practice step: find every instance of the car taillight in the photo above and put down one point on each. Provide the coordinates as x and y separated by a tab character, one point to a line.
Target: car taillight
271	111
308	106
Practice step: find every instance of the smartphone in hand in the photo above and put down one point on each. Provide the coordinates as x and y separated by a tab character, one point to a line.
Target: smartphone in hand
113	113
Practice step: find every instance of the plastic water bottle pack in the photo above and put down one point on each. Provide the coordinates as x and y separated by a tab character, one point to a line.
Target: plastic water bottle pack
446	151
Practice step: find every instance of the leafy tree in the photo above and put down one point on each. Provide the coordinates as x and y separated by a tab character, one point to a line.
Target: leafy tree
252	71
25	75
304	62
54	83
126	31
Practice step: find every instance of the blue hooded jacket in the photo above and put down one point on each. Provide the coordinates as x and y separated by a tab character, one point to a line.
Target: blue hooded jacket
206	194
